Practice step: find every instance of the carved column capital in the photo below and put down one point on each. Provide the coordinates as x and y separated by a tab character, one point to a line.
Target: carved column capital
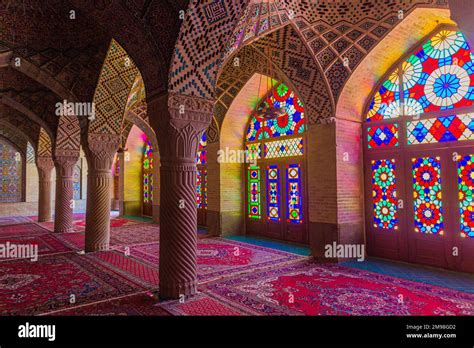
45	165
65	165
102	149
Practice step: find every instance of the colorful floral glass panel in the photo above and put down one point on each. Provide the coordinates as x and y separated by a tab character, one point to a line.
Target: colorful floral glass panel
76	182
441	129
273	193
440	76
291	122
382	136
427	195
284	148
202	152
254	202
386	102
384	194
201	192
294	192
10	170
253	152
148	156
466	199
147	188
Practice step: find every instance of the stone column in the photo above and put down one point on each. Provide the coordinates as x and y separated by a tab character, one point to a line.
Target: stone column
45	166
178	139
101	151
64	193
462	14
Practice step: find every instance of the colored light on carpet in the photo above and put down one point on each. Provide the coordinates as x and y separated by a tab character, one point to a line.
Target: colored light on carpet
272	244
308	288
114	222
217	257
13	220
48	286
75	240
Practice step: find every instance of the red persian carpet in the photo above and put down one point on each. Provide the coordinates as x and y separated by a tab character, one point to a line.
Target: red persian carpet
200	305
46	243
308	288
47	285
12	220
19	230
219	257
134	270
139	304
114	222
74	240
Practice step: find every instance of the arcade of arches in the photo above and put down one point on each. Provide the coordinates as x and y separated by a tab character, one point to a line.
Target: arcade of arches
239	148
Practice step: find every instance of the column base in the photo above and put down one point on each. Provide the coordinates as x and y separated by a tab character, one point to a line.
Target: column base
64	230
177	291
96	247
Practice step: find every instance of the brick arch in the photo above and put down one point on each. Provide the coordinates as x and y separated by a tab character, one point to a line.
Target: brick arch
113	88
45	148
207	28
360	86
17	141
15	132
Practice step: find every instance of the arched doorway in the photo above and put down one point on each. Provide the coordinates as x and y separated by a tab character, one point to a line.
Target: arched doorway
419	157
275	181
147	206
201	181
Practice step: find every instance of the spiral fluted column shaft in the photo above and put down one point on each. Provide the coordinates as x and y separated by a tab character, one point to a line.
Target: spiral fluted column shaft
45	167
98	212
178	238
64	194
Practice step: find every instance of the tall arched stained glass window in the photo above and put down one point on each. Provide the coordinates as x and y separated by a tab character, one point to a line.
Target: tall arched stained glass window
201	186
274	147
148	179
11	163
419	148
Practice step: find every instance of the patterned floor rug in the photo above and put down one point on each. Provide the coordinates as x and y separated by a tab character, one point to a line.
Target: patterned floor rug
74	240
135	305
200	305
46	244
21	230
139	272
136	233
218	257
308	288
48	284
114	222
13	220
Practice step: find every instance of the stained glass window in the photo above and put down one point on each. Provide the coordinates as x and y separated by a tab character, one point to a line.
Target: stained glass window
254	202
273	193
284	148
386	102
76	182
439	76
147	173
202	150
148	156
441	129
11	173
382	136
201	189
384	194
253	152
292	122
294	194
427	195
466	198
